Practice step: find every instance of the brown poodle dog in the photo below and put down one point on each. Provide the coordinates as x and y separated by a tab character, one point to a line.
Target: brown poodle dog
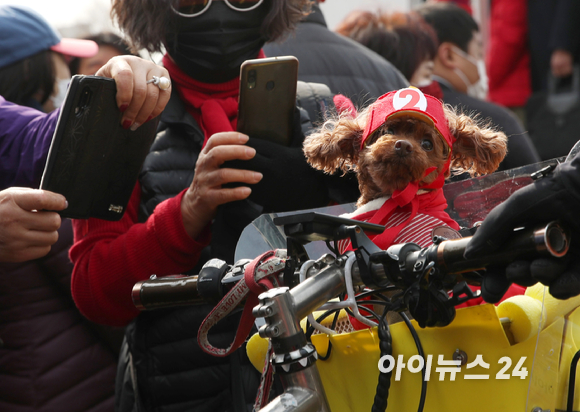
402	148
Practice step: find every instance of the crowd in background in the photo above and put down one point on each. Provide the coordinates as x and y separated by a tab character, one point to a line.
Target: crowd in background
55	352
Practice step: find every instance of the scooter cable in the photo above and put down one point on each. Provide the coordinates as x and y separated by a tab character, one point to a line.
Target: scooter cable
333	248
422	354
310	330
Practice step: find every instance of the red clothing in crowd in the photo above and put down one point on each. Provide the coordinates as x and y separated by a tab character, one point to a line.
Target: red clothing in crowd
110	257
508	57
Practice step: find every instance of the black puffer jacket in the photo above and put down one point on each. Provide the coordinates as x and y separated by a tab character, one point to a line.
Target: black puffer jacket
162	368
342	64
521	150
174	374
51	358
169	168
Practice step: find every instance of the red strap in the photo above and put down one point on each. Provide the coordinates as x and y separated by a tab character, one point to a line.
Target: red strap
263	395
250	274
254	283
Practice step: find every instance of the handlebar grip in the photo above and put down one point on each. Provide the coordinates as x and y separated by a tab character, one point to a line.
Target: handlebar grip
210	285
551	239
156	293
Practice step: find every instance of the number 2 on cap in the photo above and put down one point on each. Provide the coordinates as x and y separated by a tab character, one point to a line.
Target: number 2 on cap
409	99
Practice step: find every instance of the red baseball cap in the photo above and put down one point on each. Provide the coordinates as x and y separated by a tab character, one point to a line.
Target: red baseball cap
408	102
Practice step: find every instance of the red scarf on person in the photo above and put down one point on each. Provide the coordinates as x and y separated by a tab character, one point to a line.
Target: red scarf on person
433	89
213	106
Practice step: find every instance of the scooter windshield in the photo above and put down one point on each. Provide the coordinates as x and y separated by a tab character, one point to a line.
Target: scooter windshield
469	201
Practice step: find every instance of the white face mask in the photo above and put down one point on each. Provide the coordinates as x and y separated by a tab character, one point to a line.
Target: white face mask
423	83
480	88
58	98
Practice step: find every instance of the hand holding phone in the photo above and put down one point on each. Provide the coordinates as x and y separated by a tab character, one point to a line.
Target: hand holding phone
93	161
26	231
267	98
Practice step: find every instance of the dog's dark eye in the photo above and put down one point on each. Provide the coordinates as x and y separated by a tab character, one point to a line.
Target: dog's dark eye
427	145
389	131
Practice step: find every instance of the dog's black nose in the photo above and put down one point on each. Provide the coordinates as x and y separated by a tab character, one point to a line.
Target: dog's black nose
403	147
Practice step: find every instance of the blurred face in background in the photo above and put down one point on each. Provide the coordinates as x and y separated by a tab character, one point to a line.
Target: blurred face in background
423	75
90	65
468	63
470	68
60	85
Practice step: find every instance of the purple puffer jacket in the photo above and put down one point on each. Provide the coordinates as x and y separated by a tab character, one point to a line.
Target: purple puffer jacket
51	358
25	136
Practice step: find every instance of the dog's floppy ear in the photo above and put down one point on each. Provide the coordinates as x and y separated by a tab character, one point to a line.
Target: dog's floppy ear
479	148
335	145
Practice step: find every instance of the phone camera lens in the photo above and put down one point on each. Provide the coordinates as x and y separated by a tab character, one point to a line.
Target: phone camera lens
252	79
83	102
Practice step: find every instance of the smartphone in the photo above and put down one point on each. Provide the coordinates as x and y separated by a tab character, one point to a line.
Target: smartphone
92	160
267	98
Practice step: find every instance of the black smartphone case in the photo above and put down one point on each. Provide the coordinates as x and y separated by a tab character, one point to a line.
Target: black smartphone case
92	160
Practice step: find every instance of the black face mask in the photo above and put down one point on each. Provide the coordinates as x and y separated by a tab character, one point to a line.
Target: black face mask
211	47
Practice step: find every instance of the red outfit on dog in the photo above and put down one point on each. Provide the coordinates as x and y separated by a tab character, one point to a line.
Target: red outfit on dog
401	226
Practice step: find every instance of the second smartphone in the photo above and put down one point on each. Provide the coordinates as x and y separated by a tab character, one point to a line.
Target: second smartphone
268	98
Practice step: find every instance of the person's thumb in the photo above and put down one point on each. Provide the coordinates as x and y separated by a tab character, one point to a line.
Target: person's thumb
35	199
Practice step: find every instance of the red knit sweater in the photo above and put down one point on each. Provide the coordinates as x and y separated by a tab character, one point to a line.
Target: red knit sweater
110	257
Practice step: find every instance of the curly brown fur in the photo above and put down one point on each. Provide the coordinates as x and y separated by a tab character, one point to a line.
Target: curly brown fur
479	148
335	145
401	150
398	153
147	23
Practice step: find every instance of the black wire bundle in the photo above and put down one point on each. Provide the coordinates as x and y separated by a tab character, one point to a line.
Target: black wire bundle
384	384
385	346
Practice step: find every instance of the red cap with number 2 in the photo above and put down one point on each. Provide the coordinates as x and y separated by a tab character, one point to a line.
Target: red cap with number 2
408	102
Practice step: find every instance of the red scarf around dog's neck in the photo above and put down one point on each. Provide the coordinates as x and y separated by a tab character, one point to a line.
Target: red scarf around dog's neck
432	203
